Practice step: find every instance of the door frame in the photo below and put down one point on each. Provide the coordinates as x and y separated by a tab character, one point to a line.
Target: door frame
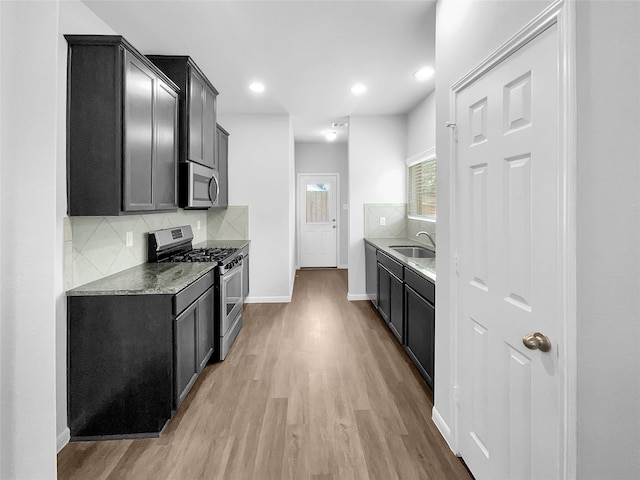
299	209
561	13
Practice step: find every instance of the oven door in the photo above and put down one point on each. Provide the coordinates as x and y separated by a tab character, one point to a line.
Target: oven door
231	297
200	185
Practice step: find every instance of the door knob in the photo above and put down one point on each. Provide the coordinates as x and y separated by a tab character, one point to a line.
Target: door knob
537	341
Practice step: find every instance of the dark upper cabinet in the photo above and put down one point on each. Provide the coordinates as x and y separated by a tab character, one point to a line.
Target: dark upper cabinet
222	158
198	99
122	121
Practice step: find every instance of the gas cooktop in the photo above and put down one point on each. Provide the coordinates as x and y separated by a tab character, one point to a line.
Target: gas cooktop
175	245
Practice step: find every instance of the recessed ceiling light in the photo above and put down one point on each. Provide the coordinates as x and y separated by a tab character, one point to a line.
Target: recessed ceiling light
424	73
330	136
256	87
358	89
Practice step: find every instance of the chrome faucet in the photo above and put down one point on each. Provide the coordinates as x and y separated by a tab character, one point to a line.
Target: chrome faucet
433	242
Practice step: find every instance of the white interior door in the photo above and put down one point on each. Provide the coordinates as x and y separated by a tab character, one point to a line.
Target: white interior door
508	206
317	215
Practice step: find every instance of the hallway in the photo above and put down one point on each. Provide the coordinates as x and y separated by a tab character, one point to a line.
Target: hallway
314	389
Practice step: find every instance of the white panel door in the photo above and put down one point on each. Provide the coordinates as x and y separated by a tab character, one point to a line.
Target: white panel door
507	207
317	219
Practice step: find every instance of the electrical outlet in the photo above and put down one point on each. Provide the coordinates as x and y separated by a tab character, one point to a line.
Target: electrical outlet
383	220
129	239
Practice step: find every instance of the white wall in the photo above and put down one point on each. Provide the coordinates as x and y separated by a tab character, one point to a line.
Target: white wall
377	174
260	175
466	33
329	158
30	255
421	126
608	262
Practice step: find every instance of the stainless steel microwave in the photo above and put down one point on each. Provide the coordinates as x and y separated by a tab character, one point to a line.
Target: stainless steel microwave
199	186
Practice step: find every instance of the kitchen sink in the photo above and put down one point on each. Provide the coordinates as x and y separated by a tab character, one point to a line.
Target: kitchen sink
414	252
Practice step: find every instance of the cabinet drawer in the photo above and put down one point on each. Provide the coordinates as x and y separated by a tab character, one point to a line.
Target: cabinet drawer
188	295
394	267
421	285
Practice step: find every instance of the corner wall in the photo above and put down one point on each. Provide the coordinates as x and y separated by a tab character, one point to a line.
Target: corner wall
262	145
608	233
377	174
29	285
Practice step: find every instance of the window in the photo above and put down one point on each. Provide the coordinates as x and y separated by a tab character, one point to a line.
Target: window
421	186
318	202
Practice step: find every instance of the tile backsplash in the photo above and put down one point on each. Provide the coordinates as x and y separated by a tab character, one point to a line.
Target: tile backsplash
397	224
414	226
231	223
395	219
95	247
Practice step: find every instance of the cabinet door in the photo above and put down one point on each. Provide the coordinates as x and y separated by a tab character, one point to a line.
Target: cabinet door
205	328
196	113
384	293
139	86
209	156
186	365
396	309
420	333
166	148
371	273
222	161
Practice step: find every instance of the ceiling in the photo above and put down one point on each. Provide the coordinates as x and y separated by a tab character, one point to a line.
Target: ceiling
308	53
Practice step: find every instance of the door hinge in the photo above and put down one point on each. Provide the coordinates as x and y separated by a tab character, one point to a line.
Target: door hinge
456	263
456	394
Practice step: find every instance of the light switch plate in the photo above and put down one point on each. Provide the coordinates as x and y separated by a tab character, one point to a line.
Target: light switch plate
383	220
129	239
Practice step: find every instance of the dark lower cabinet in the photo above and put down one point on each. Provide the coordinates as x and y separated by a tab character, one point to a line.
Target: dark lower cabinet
120	365
420	315
406	302
186	362
390	301
371	273
132	359
194	339
390	294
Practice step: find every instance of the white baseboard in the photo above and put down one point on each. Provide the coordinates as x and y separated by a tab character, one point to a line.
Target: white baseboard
283	299
63	439
355	297
444	429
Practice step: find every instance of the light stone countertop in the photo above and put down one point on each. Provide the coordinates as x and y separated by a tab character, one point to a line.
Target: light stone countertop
425	267
154	278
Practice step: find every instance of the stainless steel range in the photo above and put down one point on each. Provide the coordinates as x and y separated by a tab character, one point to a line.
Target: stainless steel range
176	245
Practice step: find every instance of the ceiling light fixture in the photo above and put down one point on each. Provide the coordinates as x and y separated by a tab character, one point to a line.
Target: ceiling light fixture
424	73
358	89
330	136
256	87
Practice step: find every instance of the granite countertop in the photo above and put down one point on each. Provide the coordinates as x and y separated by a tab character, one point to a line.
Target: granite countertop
422	266
154	278
145	279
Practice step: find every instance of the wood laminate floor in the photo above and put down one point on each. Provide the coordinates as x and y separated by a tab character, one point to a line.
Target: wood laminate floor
317	389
